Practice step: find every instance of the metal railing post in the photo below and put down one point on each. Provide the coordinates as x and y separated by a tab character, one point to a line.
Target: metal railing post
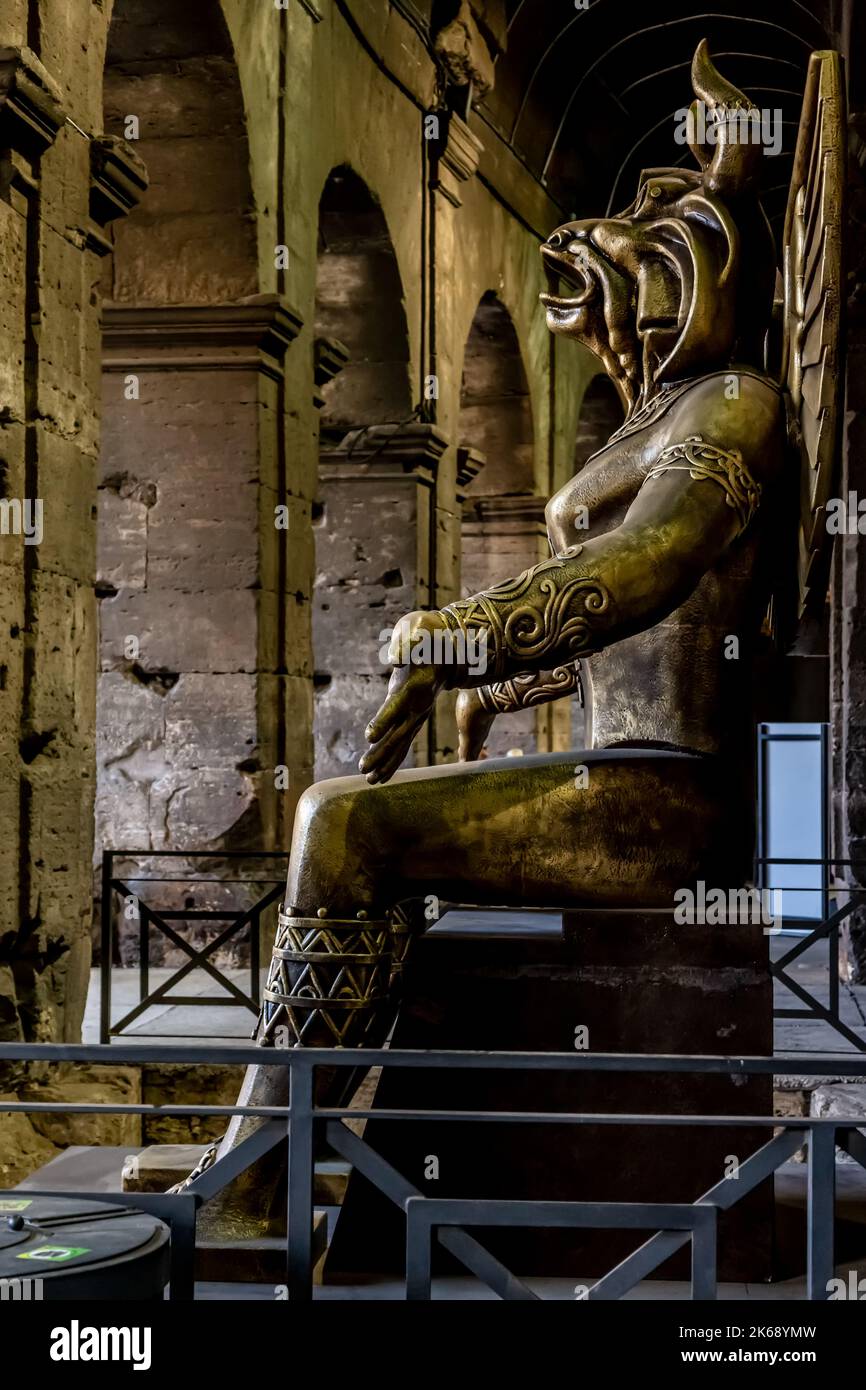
255	948
299	1220
107	948
820	1211
143	951
704	1257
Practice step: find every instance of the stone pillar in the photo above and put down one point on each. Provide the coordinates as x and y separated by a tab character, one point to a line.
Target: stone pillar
502	536
373	521
454	162
848	635
195	686
458	154
118	181
46	553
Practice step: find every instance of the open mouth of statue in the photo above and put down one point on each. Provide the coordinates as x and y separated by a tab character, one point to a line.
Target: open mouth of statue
565	272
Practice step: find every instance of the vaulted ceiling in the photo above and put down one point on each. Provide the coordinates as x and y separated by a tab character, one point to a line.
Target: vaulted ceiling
586	98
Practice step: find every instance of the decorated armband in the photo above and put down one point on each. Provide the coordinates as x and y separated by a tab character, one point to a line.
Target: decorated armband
724	467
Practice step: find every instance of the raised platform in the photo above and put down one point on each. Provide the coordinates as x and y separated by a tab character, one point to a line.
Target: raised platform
608	983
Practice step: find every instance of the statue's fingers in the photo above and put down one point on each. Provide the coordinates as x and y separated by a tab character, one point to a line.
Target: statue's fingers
382	760
389	713
381	754
386	769
376	755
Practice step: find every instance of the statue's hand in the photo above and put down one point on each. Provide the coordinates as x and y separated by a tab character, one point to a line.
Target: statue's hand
412	693
473	725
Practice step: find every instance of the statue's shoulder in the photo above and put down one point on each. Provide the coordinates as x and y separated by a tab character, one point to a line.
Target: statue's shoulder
734	409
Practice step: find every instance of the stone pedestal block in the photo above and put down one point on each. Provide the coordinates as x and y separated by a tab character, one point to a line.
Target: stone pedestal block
635	983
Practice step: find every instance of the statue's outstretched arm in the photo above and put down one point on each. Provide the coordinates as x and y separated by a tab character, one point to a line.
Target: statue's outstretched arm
697	498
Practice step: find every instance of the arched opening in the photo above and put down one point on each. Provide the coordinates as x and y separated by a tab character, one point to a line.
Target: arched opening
495	409
366	517
503	528
601	413
359	302
171	85
187	694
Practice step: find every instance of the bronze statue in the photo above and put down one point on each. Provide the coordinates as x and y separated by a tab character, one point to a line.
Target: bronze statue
659	603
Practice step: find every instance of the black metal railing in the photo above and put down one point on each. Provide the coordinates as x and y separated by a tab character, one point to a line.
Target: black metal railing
152	919
826	930
450	1221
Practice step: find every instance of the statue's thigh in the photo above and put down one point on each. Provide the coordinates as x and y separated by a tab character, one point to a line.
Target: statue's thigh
602	826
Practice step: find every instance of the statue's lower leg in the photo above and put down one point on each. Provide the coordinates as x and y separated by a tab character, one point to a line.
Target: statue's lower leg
333	982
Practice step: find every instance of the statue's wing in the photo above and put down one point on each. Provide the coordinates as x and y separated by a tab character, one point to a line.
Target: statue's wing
811	343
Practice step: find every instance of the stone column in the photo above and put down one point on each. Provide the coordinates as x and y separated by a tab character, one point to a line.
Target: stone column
454	162
118	181
502	536
848	636
196	687
48	423
373	520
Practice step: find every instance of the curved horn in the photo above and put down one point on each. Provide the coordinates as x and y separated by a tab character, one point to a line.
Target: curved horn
733	168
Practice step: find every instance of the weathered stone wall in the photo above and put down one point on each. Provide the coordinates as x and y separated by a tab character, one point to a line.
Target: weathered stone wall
48	444
209	281
359	301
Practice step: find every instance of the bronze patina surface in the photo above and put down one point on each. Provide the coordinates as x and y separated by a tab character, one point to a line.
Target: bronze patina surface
658	603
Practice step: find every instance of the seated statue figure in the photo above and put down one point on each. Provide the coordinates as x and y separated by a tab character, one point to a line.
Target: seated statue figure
664	550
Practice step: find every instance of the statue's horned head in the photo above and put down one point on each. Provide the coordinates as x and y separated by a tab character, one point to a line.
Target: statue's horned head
682	281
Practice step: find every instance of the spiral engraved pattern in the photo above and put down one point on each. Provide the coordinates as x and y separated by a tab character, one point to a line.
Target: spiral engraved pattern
543	612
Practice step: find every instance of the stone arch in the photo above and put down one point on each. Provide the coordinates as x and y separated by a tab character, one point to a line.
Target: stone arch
190	700
371	517
172	69
503	529
495	404
359	303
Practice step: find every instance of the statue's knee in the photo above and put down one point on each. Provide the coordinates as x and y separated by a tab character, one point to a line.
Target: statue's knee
326	806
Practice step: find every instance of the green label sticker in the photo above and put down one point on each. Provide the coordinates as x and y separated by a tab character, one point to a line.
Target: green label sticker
54	1252
15	1204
